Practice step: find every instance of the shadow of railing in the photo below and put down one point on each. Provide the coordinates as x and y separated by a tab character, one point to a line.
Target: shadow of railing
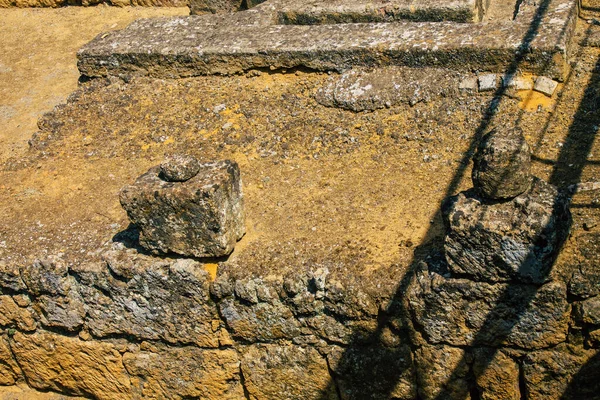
576	148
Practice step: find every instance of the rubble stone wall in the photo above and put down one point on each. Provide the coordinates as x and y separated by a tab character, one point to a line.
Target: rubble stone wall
133	326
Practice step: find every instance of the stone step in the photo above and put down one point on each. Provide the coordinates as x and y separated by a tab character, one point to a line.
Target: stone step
354	11
538	40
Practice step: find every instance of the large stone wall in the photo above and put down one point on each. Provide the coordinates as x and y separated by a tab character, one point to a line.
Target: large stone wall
133	326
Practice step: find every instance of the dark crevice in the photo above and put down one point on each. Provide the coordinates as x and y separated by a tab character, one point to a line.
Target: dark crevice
243	383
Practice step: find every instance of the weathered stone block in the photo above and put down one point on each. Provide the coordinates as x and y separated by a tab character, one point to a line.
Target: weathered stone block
184	373
215	6
589	311
47	277
261	322
442	372
374	372
586	276
496	375
10	277
10	372
64	364
11	315
286	372
201	217
515	240
565	372
461	312
502	165
155	300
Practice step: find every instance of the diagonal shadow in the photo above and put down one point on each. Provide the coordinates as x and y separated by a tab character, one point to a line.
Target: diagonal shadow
396	308
567	170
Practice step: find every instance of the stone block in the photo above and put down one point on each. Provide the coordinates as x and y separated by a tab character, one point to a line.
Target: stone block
150	300
487	82
273	371
198	7
201	45
586	276
68	365
502	165
496	375
10	373
590	311
10	277
516	240
184	373
564	372
12	315
442	372
545	85
201	217
374	372
461	312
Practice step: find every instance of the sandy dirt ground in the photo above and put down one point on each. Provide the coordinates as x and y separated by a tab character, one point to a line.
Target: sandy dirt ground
37	61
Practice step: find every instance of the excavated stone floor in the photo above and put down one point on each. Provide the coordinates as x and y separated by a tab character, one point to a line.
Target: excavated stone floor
198	45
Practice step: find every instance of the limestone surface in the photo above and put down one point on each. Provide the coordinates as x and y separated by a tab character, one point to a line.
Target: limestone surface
201	217
502	165
515	240
55	362
161	372
563	372
154	301
461	312
290	372
200	45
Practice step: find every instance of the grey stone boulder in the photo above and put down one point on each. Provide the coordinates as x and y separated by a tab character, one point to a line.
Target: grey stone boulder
502	165
516	240
201	217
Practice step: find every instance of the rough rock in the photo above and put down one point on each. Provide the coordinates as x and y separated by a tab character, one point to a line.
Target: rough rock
374	372
461	312
502	165
156	300
55	362
262	322
589	311
12	315
184	373
545	85
565	372
10	372
515	240
48	276
10	277
200	45
286	372
442	372
496	375
179	168
63	312
487	82
365	90
198	7
202	217
585	281
298	12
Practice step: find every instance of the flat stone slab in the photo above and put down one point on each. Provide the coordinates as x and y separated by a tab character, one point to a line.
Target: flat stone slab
228	44
354	11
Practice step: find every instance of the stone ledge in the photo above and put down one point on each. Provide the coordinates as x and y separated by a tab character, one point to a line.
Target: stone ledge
201	45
